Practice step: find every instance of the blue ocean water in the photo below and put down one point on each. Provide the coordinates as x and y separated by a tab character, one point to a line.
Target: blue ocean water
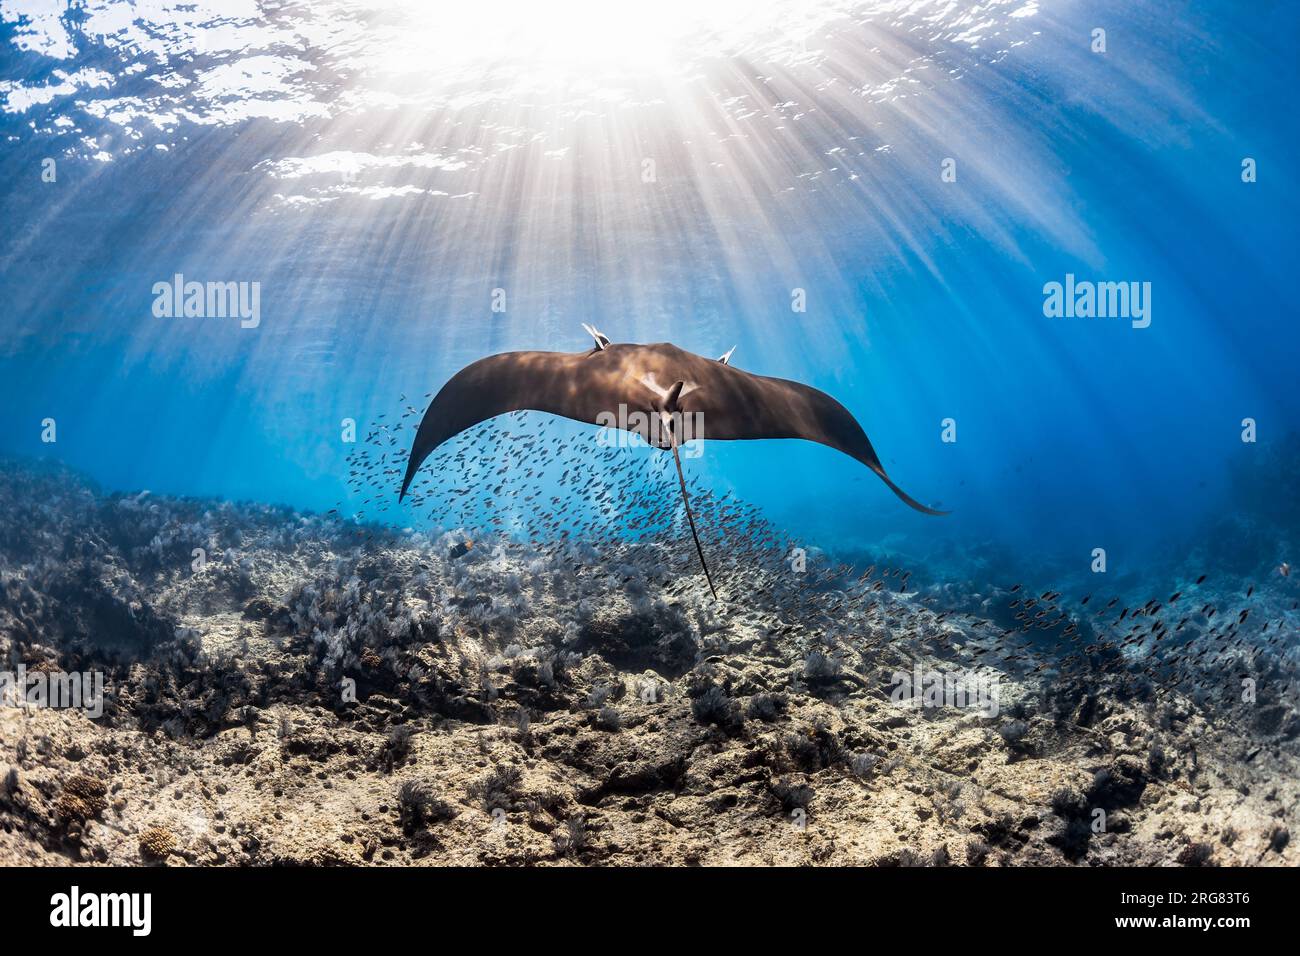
868	197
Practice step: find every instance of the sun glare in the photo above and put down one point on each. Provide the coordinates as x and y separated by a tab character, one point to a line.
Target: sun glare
572	38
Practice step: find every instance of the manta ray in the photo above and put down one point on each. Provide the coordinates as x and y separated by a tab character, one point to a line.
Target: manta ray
650	390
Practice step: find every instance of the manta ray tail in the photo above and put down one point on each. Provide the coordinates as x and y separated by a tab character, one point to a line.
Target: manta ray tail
670	406
907	499
681	478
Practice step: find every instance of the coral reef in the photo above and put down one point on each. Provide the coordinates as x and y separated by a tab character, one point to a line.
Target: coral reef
316	692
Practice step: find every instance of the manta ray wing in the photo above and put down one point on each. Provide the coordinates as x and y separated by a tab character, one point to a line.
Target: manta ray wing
732	404
509	382
739	405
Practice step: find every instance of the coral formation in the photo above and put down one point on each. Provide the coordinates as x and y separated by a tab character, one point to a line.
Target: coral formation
156	843
318	692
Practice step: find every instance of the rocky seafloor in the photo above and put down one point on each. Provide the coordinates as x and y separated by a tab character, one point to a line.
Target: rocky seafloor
315	692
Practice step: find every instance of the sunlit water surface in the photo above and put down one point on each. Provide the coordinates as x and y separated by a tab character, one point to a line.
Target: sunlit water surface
689	172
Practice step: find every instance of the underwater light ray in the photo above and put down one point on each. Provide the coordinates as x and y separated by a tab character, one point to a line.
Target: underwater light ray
378	210
763	178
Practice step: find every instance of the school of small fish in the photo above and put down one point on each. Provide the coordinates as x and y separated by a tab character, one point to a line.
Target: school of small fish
613	511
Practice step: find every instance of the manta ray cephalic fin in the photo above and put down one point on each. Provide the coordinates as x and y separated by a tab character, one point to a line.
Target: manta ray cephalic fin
602	340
